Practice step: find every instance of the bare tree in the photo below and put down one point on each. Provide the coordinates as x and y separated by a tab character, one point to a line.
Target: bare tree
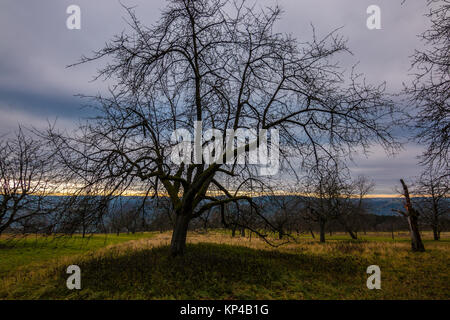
115	221
204	219
353	207
26	178
326	192
239	216
412	215
83	202
433	190
430	90
333	197
222	63
285	215
79	213
362	187
163	216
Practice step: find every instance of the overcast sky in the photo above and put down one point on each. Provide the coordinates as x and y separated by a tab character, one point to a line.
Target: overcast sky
36	47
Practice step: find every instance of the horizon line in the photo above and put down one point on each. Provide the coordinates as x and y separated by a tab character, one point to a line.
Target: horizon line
130	194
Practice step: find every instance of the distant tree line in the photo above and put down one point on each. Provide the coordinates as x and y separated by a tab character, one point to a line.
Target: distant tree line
331	202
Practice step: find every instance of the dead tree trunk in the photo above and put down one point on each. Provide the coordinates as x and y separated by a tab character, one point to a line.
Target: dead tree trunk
412	216
416	244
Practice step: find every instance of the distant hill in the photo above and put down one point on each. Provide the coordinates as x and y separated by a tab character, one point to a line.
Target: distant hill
378	206
384	206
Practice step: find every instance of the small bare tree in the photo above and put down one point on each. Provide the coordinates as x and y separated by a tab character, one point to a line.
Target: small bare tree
163	215
239	216
26	178
283	218
354	209
327	195
432	189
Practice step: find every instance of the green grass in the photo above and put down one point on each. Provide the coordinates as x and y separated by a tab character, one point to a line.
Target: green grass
207	271
26	252
218	267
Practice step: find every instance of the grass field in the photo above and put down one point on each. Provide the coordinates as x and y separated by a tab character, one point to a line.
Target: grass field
217	266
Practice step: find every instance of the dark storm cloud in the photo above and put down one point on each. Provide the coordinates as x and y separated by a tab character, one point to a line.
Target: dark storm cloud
42	104
387	170
36	47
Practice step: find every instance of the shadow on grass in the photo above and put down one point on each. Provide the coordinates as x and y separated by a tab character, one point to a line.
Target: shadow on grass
207	271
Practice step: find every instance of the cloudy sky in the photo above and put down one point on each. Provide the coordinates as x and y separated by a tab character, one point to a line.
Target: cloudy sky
36	47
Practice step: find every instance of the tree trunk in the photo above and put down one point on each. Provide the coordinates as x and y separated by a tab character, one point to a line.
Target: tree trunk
436	233
178	243
233	231
144	227
416	240
413	216
84	230
312	233
352	234
242	232
322	230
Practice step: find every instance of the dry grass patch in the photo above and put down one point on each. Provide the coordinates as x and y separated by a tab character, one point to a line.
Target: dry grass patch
217	266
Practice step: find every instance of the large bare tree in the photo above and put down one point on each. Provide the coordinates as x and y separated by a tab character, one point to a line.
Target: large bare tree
430	89
222	63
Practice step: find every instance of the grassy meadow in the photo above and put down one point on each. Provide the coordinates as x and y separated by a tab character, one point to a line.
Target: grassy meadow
218	266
